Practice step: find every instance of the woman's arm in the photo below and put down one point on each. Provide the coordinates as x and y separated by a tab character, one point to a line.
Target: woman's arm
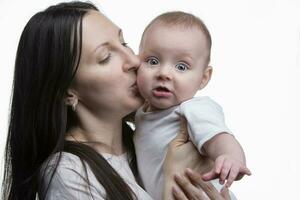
182	152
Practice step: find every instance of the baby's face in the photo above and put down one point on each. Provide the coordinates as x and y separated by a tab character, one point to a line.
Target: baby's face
173	64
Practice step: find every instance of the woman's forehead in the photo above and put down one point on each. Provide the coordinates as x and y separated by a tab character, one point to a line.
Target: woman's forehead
98	29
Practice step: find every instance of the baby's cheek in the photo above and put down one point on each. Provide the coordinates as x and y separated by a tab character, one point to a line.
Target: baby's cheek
141	83
142	76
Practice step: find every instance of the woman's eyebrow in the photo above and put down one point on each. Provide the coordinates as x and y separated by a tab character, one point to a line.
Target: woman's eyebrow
120	34
100	45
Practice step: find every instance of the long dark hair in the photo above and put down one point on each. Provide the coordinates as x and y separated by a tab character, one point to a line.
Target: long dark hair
47	59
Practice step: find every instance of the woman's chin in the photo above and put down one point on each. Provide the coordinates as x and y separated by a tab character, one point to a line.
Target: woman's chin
134	104
139	102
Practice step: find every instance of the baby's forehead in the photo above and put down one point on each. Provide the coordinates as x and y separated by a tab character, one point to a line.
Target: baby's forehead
165	32
174	26
180	28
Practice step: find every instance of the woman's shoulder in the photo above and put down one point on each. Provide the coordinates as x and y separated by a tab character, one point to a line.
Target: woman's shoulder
61	166
62	161
64	158
64	173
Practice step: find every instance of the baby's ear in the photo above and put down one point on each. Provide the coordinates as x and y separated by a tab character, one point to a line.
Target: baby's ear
206	77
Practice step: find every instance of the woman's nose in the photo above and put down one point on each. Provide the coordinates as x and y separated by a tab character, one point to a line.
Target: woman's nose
132	61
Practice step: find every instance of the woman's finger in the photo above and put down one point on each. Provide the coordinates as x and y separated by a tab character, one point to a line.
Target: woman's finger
225	193
178	194
190	190
207	187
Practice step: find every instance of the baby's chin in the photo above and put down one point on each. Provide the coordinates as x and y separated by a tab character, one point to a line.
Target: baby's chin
161	106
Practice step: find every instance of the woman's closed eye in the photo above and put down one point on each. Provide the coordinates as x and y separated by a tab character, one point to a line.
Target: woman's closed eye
125	44
105	60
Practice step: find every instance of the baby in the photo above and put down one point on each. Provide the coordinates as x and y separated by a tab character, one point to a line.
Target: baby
175	53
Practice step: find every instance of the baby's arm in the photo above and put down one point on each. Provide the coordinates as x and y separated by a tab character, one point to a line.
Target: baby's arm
229	157
208	131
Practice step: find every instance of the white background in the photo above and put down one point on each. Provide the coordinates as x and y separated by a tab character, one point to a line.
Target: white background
256	60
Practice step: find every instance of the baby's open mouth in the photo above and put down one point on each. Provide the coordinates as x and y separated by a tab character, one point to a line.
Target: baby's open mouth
162	89
162	92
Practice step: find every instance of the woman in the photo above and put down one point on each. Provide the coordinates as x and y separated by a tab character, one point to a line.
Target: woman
75	81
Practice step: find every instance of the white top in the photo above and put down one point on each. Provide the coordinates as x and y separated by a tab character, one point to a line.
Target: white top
69	180
155	130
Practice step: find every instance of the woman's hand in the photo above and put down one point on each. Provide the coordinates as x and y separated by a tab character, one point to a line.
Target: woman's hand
182	154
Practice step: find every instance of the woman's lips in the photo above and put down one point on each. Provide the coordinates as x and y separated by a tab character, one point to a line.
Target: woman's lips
134	89
134	86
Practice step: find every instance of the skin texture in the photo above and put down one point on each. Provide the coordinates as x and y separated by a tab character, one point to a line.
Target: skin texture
174	58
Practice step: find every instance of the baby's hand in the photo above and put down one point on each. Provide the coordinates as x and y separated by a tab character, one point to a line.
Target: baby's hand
228	168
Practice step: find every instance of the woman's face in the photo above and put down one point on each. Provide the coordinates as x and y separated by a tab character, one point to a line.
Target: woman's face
105	82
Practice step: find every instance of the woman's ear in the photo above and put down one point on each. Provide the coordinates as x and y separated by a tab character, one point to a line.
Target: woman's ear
206	77
71	99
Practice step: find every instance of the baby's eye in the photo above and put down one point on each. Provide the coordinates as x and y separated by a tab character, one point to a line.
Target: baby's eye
181	66
152	61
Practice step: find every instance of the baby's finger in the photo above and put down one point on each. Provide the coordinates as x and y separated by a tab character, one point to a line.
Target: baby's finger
210	175
214	173
234	171
224	173
245	170
219	165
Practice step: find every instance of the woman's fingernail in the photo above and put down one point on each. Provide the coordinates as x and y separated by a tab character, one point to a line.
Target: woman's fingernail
177	176
189	171
175	190
224	189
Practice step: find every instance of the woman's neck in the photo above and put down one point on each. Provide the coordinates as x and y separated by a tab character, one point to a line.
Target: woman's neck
101	132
